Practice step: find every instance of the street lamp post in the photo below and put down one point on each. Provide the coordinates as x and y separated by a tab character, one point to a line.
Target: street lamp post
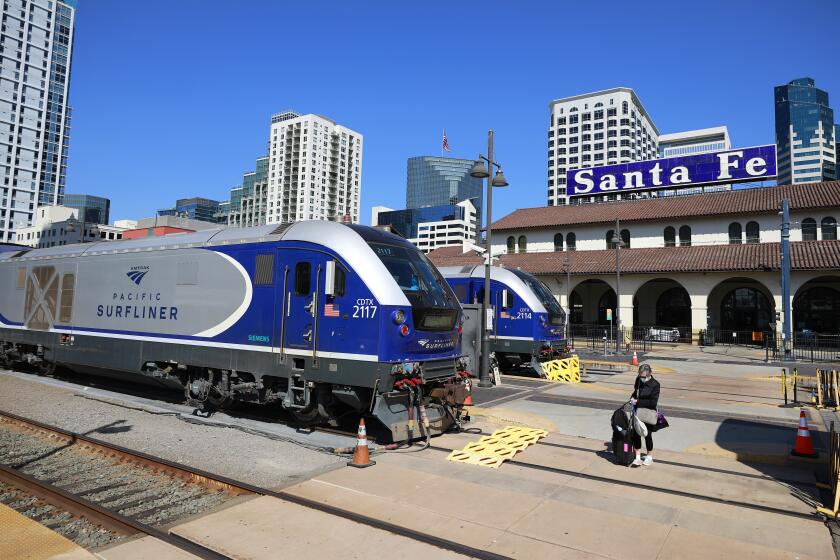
480	172
787	343
568	269
617	242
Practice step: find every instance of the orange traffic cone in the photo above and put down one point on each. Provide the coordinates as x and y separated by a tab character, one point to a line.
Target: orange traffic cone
468	386
361	455
804	447
635	360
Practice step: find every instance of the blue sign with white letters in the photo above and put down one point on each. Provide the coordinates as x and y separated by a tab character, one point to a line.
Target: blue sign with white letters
728	166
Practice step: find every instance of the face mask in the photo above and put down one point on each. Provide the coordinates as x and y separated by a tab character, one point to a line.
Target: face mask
644	379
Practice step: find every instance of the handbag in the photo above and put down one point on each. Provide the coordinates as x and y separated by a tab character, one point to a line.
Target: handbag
647	415
639	426
661	421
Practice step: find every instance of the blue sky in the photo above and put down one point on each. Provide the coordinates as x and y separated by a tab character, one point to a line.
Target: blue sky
173	99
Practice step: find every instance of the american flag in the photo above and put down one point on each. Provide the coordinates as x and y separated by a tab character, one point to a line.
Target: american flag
504	315
331	310
446	142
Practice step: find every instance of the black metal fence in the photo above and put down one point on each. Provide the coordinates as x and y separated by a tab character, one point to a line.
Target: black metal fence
639	338
759	339
808	347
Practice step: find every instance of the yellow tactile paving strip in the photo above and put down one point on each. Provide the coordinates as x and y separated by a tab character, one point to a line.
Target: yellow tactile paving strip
24	539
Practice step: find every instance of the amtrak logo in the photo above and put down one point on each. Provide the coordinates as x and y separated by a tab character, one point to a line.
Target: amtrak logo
137	273
423	342
436	344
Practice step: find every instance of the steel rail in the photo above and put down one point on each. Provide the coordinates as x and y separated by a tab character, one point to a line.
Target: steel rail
240	487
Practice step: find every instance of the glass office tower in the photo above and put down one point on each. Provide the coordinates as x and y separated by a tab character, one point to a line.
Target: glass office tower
196	208
92	209
438	181
804	133
37	40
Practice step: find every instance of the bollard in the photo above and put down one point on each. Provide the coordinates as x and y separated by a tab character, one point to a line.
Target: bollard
795	375
819	388
784	384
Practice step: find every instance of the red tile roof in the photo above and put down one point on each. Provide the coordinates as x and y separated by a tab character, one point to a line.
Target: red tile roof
754	201
805	255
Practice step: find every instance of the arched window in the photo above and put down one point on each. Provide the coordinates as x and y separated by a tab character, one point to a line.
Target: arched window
685	236
625	238
511	245
829	229
809	229
734	233
523	244
670	236
573	110
599	104
609	239
571	241
624	108
558	241
752	232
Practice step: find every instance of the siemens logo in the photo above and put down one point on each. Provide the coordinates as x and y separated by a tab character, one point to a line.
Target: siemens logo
257	338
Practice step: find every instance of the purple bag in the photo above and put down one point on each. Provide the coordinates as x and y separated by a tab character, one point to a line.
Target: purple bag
661	421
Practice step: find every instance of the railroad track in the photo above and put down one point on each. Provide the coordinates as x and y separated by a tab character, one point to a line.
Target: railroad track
110	508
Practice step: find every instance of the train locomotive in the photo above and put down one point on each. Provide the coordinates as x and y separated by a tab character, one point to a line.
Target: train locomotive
324	318
529	324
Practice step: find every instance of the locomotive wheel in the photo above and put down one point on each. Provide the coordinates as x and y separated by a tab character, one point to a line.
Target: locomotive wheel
45	368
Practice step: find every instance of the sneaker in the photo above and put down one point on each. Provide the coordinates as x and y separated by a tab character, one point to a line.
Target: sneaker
648	460
637	462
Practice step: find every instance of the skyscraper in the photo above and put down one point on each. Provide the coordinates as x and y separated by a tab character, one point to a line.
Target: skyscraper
437	181
93	209
195	208
248	204
37	42
805	148
315	169
593	129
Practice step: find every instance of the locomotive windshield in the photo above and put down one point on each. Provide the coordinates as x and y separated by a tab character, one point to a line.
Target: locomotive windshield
555	312
432	301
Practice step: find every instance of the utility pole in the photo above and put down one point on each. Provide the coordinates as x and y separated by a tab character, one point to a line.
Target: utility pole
787	343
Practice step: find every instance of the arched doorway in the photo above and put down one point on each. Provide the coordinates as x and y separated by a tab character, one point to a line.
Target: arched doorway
816	306
662	311
590	301
745	309
741	311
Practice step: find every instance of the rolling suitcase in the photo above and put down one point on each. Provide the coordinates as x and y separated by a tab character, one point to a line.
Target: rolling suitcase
622	439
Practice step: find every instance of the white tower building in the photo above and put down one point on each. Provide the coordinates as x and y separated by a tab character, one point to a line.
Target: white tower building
314	169
601	128
35	50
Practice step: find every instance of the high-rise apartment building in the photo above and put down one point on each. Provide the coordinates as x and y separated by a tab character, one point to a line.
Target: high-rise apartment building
438	181
248	204
805	149
315	169
92	209
37	41
600	128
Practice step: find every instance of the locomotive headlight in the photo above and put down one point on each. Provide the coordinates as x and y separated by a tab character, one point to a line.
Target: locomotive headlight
399	316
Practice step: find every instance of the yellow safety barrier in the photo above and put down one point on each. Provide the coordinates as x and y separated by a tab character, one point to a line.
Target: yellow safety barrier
834	473
566	370
491	451
828	388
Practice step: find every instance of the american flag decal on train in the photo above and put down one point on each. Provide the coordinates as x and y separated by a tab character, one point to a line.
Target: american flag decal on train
331	310
504	315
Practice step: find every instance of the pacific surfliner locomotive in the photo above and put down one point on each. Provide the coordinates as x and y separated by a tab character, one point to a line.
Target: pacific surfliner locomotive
321	317
528	322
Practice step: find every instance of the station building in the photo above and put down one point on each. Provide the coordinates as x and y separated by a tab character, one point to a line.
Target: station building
696	263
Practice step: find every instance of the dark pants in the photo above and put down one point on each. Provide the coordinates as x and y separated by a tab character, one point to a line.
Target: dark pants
637	440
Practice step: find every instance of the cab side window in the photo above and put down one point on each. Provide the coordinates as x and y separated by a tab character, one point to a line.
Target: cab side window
460	292
303	278
340	281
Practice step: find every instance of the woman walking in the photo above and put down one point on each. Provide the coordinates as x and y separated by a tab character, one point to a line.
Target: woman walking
645	398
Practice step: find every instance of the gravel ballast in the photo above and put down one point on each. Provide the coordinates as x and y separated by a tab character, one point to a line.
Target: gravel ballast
160	429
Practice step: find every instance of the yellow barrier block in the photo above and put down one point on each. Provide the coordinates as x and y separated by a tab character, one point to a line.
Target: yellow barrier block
566	370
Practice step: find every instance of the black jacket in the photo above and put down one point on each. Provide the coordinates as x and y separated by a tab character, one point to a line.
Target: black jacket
647	394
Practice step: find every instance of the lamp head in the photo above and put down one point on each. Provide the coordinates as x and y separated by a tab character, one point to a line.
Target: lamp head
478	170
499	180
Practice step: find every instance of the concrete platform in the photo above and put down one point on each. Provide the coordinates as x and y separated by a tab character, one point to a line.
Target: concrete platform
526	513
24	539
269	528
